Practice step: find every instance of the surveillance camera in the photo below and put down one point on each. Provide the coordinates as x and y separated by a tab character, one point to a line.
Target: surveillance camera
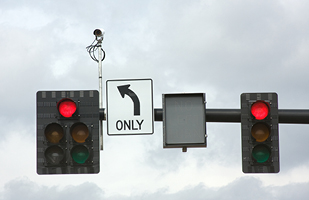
98	32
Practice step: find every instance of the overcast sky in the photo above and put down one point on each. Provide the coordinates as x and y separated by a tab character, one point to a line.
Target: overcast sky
211	46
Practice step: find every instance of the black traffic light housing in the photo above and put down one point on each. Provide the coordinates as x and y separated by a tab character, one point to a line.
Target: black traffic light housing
259	133
68	132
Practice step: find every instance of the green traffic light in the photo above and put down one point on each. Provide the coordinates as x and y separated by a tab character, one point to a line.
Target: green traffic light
260	153
80	154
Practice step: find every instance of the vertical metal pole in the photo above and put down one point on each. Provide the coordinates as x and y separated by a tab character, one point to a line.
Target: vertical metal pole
100	89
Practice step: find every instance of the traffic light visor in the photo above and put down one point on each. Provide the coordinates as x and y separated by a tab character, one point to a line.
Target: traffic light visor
260	110
66	107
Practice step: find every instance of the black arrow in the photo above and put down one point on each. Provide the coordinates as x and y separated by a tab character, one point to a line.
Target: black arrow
124	90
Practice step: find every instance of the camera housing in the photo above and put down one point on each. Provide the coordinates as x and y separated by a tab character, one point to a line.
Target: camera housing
99	32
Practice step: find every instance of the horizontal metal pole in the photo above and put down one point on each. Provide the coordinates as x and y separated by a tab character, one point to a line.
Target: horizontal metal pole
212	115
158	114
222	115
290	116
287	116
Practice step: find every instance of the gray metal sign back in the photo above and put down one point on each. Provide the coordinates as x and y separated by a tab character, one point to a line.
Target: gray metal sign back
184	123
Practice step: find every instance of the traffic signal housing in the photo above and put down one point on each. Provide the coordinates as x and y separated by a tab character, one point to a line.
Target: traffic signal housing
68	132
259	133
184	120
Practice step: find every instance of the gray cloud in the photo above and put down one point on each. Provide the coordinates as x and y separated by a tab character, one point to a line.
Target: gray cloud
26	189
243	188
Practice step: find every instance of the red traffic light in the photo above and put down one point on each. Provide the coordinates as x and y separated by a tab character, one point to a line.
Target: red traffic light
260	110
66	107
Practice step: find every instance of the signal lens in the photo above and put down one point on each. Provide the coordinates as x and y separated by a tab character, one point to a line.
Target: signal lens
79	132
260	132
259	110
54	155
66	107
80	154
54	132
260	153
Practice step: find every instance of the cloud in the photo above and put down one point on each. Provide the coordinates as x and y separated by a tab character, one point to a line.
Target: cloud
242	188
23	188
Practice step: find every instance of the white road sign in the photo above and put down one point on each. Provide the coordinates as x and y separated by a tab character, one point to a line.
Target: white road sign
129	106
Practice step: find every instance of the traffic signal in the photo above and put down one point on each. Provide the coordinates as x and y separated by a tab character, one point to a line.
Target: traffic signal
68	132
184	120
259	133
